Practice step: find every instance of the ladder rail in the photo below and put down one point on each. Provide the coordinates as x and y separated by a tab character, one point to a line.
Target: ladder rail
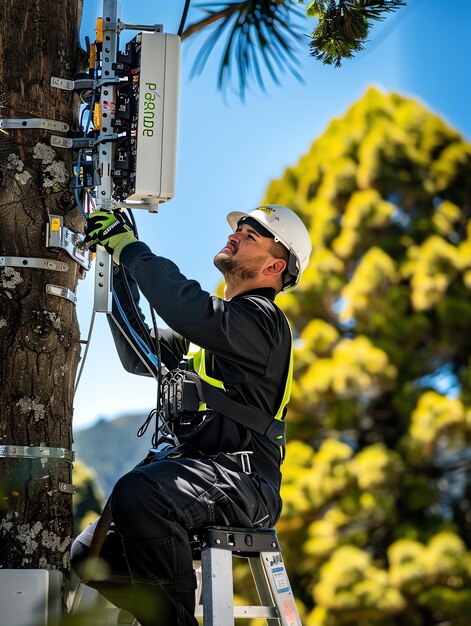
218	595
263	588
277	576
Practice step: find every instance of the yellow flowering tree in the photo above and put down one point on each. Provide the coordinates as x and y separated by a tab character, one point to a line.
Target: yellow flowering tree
377	516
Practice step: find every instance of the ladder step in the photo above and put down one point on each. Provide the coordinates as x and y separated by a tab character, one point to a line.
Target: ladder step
268	612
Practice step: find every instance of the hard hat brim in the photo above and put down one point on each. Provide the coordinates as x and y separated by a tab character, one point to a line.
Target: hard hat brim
234	217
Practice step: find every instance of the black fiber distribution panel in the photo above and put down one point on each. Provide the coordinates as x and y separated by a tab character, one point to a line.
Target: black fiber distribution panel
127	67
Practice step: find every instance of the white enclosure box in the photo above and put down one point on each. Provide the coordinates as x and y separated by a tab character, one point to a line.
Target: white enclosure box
30	596
157	118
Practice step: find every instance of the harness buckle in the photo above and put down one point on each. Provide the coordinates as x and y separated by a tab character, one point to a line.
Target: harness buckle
243	459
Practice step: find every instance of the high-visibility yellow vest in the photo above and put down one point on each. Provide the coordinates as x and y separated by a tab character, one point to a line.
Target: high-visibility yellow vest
196	358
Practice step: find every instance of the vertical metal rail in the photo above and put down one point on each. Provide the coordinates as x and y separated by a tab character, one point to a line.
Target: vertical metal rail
218	601
104	200
279	587
263	588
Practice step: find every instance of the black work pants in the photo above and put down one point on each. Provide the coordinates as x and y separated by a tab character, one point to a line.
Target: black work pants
147	547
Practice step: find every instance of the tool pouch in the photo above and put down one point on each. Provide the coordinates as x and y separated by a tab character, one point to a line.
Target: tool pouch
179	396
180	405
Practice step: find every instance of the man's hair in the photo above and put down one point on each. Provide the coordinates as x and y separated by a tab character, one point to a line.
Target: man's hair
279	251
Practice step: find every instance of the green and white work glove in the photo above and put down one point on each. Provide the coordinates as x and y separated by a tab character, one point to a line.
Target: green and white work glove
113	231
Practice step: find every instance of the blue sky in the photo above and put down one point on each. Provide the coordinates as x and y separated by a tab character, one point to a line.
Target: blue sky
228	151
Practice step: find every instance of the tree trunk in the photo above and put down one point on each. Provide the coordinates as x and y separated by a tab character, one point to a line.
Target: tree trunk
39	332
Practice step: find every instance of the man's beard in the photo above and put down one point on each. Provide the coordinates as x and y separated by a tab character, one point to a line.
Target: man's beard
235	273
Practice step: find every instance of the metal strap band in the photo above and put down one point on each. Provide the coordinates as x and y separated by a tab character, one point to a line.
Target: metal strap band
34	122
37	452
33	263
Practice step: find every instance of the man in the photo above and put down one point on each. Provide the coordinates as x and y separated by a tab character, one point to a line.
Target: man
226	470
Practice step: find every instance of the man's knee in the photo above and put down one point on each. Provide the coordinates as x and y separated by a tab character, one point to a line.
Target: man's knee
78	557
129	497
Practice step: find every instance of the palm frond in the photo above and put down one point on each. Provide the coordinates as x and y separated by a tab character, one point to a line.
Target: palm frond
260	33
344	25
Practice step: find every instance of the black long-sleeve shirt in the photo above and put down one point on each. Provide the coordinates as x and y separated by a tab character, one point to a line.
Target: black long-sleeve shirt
247	342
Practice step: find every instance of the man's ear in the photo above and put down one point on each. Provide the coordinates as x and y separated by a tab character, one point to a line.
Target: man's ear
276	268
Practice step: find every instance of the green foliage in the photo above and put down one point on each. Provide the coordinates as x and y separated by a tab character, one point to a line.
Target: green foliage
260	33
88	501
267	33
344	25
350	583
376	485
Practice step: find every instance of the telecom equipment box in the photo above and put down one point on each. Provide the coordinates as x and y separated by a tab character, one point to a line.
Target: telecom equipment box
30	596
144	169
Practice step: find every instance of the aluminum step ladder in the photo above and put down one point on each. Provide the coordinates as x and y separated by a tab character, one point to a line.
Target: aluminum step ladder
216	545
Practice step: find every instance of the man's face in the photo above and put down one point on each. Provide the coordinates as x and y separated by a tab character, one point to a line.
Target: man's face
245	254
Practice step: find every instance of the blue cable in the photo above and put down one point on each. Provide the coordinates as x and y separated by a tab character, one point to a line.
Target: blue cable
77	171
92	104
138	340
77	201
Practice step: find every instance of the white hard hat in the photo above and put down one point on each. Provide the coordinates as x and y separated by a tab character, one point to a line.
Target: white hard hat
288	229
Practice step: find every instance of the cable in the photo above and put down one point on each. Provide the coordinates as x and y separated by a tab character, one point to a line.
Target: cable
77	186
92	104
79	204
143	328
155	436
137	340
142	429
146	338
183	20
151	341
90	330
79	153
133	222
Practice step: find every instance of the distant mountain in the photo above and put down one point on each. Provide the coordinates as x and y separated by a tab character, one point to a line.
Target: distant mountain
112	447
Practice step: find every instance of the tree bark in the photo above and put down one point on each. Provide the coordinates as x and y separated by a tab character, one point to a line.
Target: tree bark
39	332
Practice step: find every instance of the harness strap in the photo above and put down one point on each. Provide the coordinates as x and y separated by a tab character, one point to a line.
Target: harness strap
96	544
247	415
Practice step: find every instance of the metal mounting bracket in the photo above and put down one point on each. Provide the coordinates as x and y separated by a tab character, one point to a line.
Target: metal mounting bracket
72	85
62	292
68	142
111	80
103	281
80	142
37	452
58	236
156	28
33	263
33	122
61	142
66	488
82	84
